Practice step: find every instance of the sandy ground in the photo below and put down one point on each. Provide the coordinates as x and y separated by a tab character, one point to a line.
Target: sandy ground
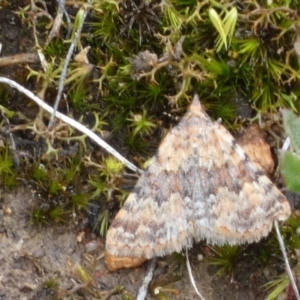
29	256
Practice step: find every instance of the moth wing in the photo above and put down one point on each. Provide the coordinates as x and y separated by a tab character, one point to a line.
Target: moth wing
199	185
241	203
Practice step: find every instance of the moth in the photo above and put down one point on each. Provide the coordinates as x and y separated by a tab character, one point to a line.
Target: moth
199	185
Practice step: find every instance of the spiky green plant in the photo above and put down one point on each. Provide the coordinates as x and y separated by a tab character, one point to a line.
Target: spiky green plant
277	286
102	222
225	257
80	201
50	283
58	214
39	217
141	123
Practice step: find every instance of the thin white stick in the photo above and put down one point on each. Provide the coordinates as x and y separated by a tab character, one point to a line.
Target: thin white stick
191	275
63	74
288	268
72	123
144	288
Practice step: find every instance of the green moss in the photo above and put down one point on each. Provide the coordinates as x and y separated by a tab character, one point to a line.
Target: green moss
141	123
39	173
55	48
4	96
225	258
39	217
8	173
80	201
58	214
50	283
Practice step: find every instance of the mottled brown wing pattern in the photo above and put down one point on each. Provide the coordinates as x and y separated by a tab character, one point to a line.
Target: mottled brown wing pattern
199	185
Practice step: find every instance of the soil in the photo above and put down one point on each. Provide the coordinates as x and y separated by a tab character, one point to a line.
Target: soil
30	256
